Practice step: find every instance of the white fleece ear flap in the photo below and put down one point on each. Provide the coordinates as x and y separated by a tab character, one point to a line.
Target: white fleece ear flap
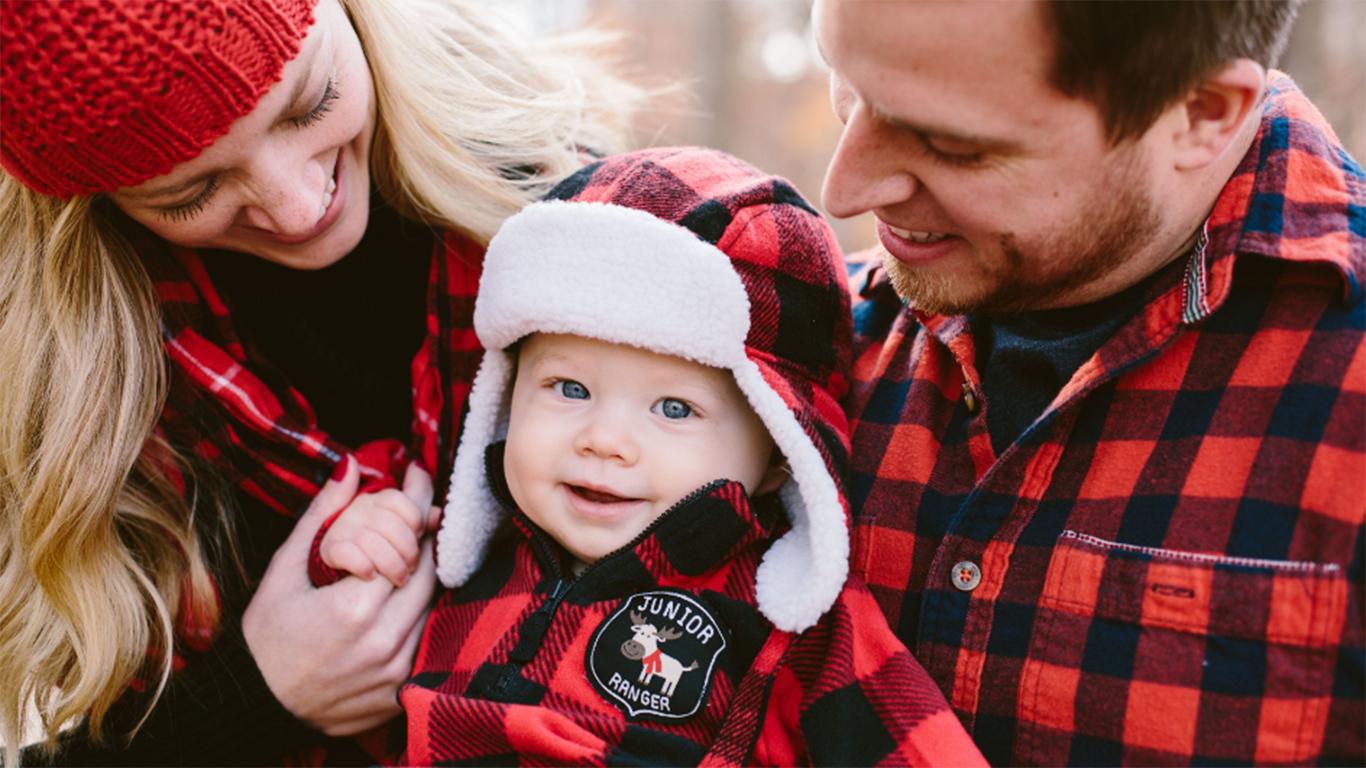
803	572
472	513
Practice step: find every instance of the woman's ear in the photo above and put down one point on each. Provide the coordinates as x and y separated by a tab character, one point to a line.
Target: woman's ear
778	472
1214	111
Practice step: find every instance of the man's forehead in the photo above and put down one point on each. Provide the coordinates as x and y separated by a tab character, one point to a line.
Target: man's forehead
948	63
932	35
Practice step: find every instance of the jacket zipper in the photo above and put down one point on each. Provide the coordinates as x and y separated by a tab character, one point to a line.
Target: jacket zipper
531	634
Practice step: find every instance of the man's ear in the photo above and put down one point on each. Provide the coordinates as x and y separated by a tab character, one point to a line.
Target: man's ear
1213	113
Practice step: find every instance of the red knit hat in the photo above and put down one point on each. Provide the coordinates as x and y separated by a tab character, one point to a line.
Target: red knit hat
692	253
100	95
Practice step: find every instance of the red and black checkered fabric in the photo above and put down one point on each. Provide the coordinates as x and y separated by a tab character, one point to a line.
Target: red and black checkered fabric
501	673
1167	566
233	410
260	431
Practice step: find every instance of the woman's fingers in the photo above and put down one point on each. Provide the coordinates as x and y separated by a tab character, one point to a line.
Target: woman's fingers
407	605
335	656
417	485
335	494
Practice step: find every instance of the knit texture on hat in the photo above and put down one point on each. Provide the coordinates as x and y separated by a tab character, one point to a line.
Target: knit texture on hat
95	96
691	253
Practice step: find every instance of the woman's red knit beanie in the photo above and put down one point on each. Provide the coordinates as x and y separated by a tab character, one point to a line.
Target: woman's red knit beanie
105	94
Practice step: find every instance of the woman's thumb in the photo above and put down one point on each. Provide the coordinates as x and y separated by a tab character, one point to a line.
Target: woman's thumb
336	493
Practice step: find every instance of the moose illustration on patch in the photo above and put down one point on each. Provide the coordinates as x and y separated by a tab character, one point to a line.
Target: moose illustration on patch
655	655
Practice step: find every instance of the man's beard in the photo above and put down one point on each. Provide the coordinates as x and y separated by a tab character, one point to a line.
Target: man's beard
1106	234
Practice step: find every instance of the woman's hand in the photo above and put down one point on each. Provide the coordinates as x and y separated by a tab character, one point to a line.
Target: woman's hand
335	656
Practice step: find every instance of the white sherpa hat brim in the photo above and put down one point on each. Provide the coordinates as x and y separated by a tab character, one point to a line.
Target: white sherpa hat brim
621	275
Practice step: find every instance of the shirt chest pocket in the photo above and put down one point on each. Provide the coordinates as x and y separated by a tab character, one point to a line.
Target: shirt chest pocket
1158	656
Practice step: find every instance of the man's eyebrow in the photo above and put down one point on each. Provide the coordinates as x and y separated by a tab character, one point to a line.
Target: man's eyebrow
942	132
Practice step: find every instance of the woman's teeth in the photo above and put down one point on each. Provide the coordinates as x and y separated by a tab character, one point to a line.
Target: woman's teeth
917	237
327	196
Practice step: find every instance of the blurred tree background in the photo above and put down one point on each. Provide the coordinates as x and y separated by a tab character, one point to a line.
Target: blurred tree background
751	82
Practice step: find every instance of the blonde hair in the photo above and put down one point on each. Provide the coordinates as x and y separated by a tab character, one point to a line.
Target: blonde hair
100	555
474	122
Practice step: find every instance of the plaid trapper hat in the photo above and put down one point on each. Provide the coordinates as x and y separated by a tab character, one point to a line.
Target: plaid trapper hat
690	253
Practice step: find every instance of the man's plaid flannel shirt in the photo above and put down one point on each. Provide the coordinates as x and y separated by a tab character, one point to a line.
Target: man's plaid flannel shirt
1167	566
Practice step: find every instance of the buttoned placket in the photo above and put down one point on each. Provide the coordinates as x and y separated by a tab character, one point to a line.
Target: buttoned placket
971	565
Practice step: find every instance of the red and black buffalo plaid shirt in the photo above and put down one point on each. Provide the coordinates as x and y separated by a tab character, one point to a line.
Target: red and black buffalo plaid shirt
1167	565
505	671
232	409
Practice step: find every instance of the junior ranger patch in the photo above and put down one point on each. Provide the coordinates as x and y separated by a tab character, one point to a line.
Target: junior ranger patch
654	656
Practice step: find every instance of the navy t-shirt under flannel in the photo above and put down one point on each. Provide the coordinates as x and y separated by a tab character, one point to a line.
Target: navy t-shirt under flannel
1027	357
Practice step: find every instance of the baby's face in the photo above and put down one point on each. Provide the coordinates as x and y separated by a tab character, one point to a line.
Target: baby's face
604	438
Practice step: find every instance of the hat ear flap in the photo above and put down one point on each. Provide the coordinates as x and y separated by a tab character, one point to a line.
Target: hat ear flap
801	575
472	513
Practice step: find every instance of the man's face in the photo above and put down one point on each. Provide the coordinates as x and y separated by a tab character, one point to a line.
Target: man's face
993	191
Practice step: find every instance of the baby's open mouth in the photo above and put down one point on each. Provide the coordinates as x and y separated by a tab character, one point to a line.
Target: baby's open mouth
598	497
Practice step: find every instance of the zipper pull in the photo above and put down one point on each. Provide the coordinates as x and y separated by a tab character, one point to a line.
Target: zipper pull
534	628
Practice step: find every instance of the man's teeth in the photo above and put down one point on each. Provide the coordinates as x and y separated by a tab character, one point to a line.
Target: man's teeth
917	237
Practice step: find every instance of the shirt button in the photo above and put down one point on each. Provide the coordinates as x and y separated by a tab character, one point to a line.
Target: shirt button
969	398
966	575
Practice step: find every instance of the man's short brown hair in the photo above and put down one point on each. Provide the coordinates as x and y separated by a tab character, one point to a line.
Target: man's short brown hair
1134	59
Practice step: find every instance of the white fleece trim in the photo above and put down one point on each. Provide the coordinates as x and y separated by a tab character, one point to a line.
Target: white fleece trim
621	275
802	573
472	515
611	273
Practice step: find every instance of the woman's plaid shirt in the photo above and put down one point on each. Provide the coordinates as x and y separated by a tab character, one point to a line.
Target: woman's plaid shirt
231	409
1167	566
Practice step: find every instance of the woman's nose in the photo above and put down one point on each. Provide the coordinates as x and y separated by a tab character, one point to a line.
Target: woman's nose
288	198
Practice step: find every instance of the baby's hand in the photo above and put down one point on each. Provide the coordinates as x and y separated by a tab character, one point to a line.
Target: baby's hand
377	532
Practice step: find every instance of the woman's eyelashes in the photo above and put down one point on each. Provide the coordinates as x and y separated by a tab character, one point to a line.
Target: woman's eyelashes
182	211
191	208
330	94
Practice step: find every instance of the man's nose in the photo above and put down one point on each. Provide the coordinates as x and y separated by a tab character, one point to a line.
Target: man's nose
866	172
608	435
288	198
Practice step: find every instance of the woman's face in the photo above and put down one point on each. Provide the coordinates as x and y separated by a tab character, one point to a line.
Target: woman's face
290	182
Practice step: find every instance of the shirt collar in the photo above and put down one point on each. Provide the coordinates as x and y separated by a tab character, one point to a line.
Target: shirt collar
708	528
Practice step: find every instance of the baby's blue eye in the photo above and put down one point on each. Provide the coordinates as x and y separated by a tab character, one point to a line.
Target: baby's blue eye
571	389
674	409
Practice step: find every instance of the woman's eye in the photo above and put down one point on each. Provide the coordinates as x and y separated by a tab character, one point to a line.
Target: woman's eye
191	208
672	408
330	94
568	388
